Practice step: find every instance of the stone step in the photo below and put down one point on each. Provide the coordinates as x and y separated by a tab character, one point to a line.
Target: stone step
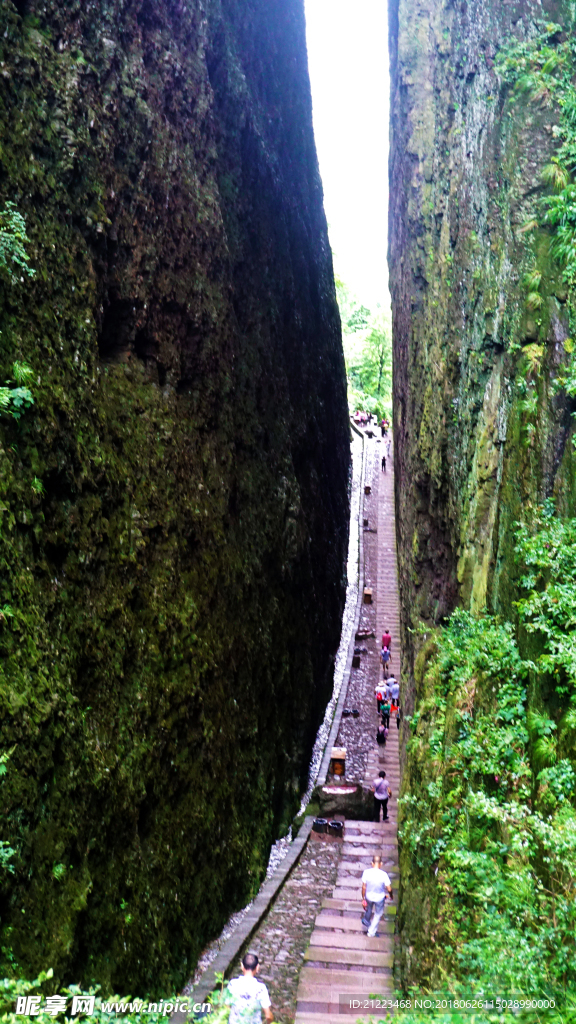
358	957
387	754
385	842
373	772
349	879
365	840
347	942
353	904
364	826
346	892
351	893
349	924
336	982
342	976
354	868
356	864
385	758
348	850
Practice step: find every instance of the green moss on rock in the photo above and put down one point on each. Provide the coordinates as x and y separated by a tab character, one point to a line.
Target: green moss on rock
177	579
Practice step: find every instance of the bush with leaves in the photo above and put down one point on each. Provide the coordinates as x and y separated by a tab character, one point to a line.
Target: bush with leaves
13	239
544	68
500	840
13	258
547	549
15	400
129	1009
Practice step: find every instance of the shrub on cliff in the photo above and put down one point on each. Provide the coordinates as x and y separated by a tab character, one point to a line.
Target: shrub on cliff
13	239
494	824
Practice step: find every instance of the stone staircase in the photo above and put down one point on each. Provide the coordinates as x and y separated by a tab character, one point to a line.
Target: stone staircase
342	964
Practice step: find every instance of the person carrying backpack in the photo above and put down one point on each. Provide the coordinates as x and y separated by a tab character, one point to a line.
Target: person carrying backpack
382	794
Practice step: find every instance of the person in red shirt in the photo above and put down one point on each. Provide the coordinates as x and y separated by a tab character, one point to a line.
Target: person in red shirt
387	640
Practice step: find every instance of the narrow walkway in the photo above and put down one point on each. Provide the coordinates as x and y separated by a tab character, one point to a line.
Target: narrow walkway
344	966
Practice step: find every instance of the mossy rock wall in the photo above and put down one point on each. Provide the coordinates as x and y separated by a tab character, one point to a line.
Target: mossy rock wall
466	172
174	506
472	455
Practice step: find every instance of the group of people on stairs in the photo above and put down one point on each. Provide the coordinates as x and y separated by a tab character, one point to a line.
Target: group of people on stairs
247	996
387	695
375	881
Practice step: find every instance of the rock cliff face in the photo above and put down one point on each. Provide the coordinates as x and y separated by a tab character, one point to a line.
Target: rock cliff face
482	314
481	431
174	505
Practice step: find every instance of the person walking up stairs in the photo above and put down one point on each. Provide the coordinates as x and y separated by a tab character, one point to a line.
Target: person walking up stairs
344	967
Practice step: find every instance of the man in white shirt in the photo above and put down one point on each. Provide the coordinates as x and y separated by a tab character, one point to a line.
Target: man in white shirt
375	883
247	996
395	691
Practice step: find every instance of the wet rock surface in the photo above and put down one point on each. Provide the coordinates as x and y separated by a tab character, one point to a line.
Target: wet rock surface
175	501
467	155
483	433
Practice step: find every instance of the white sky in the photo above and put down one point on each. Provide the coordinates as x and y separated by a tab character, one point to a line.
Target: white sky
348	59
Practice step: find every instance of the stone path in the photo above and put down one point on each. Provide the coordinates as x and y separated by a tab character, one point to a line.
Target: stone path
343	966
283	937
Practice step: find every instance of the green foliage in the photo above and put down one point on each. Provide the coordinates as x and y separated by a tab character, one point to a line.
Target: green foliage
6	851
532	280
13	239
544	67
555	175
534	301
548	552
367	343
505	864
131	1009
15	400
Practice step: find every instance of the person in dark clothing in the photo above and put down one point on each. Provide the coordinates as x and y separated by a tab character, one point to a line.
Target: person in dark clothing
382	792
385	712
383	463
398	717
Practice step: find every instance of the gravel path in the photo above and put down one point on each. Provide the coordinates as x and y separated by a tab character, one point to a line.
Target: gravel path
284	935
